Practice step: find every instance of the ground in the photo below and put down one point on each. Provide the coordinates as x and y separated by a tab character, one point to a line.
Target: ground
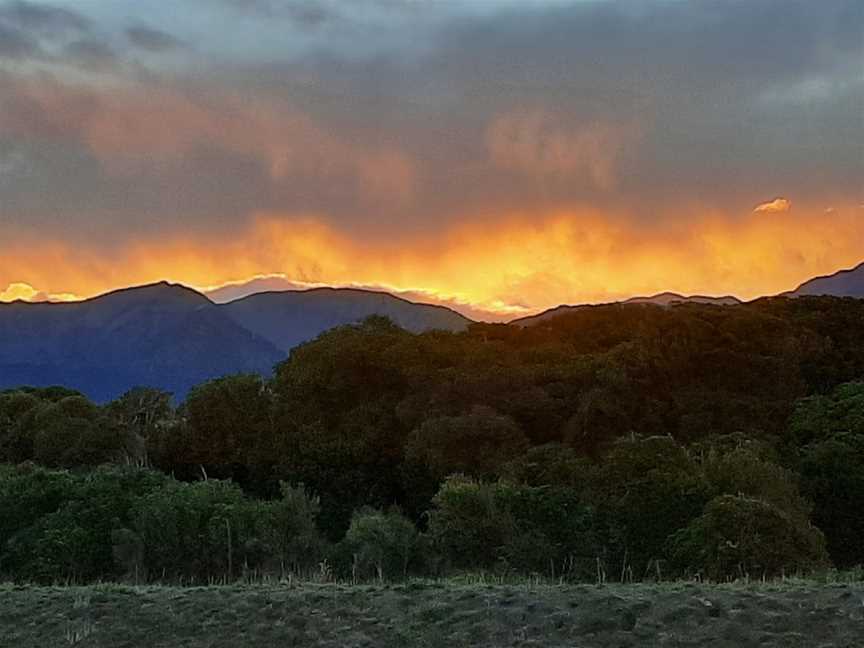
433	614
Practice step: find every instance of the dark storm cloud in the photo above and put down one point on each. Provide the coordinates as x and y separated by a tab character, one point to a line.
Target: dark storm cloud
624	105
152	40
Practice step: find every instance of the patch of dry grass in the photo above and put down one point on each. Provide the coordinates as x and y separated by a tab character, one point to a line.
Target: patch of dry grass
431	614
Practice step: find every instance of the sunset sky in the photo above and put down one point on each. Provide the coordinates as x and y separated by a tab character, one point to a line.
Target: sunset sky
502	156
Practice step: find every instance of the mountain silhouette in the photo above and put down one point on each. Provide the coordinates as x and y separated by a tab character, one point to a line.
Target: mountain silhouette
288	318
171	337
664	299
844	283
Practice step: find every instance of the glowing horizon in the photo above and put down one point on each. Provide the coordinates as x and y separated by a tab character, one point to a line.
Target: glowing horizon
521	266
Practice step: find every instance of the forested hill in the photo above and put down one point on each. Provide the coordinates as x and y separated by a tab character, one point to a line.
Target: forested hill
610	435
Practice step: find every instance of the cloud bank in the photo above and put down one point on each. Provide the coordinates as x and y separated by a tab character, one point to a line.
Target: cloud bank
380	133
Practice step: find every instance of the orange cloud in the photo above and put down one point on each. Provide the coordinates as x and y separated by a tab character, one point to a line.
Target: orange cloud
522	263
776	205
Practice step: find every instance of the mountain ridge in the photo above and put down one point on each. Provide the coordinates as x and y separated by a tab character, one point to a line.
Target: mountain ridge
170	336
847	282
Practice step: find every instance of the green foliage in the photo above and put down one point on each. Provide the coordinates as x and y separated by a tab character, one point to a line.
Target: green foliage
227	419
827	447
650	487
151	423
58	428
285	531
75	541
186	528
382	544
62	524
832	476
742	471
475	444
819	417
523	528
740	536
610	428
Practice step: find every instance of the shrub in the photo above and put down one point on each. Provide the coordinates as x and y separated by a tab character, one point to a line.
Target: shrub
186	528
741	536
285	531
69	534
649	487
523	528
382	544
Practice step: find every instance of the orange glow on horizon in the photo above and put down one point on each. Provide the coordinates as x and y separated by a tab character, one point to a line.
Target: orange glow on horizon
507	268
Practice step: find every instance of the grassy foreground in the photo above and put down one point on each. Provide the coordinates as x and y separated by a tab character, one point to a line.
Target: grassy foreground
435	614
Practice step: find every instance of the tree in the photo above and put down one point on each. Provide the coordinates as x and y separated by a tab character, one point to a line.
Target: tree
826	445
832	476
383	544
75	432
228	425
739	536
526	529
650	488
286	528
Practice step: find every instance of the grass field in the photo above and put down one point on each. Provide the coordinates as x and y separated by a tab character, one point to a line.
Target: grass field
434	614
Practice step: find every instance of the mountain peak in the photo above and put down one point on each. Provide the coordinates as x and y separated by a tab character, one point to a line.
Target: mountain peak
162	291
843	283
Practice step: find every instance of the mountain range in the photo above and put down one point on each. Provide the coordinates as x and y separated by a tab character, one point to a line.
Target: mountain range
172	337
845	283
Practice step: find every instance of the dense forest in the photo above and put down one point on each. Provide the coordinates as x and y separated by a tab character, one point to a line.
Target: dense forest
616	442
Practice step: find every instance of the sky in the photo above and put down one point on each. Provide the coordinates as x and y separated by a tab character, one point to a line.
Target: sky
499	156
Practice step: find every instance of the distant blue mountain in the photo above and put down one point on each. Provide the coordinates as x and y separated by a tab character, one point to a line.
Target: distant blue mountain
162	335
288	318
171	337
845	283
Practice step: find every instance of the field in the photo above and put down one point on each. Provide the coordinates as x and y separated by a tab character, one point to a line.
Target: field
426	613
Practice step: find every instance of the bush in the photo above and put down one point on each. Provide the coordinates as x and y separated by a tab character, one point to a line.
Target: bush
739	536
382	544
521	528
832	475
186	529
285	531
67	531
649	487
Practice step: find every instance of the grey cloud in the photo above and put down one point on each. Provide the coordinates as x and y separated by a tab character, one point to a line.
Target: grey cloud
91	54
43	18
15	44
687	75
152	40
308	14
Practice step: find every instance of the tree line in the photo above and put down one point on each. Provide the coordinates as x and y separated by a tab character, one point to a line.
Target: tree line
616	442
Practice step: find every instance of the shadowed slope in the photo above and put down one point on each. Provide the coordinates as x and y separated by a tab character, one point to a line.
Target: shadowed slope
289	318
161	335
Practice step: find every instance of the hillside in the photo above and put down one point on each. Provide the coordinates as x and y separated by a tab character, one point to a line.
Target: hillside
160	335
845	283
664	299
171	337
288	318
